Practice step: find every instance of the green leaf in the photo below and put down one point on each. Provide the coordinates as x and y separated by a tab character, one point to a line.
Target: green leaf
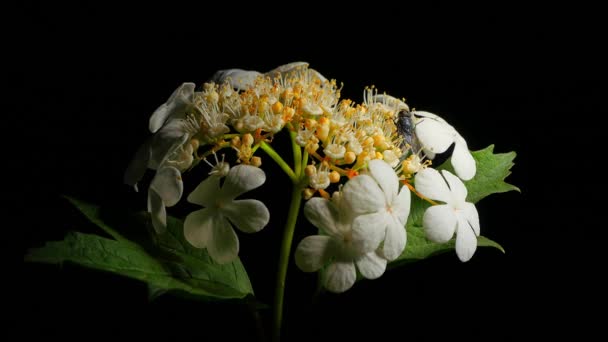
419	247
170	265
492	169
92	212
163	272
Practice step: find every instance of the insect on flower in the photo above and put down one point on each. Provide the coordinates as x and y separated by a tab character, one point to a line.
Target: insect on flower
405	129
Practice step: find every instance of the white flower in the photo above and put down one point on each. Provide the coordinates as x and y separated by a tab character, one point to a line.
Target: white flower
436	136
344	246
172	127
320	178
335	151
211	227
242	79
239	79
165	190
176	106
455	216
380	204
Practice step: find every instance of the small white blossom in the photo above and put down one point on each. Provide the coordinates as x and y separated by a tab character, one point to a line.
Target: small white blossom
211	227
436	136
335	151
378	201
344	246
320	178
456	216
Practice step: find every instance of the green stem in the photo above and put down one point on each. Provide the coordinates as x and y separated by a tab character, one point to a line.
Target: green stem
292	217
277	158
304	163
297	154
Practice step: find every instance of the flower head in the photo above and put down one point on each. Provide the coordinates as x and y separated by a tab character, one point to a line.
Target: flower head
456	216
211	227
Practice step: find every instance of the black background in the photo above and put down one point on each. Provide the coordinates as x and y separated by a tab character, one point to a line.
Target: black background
88	77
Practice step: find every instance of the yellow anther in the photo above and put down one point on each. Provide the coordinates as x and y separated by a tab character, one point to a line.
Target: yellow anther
288	113
368	141
212	96
247	139
349	157
255	161
312	148
334	177
307	193
310	123
277	107
310	170
379	140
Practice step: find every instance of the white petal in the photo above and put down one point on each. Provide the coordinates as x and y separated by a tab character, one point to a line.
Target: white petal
223	246
177	102
339	276
457	188
386	178
394	242
463	161
323	215
371	265
466	241
239	79
368	231
247	215
430	184
241	179
363	195
391	101
421	113
313	252
319	75
469	213
156	208
401	205
167	183
138	165
286	68
439	223
166	141
205	194
197	226
434	135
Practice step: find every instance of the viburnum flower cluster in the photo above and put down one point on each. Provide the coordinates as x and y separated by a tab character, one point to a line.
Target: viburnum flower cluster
356	166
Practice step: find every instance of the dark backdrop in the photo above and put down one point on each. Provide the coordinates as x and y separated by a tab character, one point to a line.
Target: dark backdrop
88	77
